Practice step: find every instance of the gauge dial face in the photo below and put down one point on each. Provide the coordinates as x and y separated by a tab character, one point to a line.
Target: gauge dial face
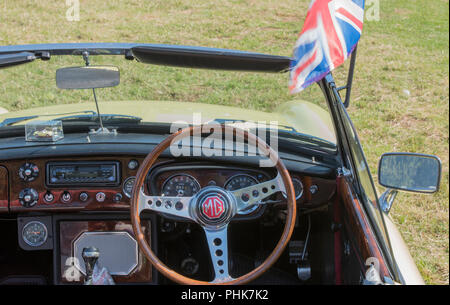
128	186
298	188
238	182
34	233
180	185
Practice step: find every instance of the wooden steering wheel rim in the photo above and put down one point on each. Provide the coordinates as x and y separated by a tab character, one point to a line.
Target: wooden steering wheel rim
196	130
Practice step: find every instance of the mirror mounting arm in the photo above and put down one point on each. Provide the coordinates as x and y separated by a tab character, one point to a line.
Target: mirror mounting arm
387	199
86	58
102	129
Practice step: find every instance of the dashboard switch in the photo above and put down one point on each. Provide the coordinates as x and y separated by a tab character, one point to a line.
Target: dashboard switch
100	196
66	197
49	197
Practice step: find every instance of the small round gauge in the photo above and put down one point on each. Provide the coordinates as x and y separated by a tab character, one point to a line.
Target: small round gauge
127	188
298	188
34	233
238	182
180	185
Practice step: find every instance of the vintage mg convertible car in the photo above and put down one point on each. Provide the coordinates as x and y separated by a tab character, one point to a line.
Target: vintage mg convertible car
140	192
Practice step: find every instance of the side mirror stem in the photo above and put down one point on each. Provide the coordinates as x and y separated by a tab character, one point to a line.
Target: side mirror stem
387	199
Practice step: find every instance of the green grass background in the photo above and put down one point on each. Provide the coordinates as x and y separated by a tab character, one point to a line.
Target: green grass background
400	100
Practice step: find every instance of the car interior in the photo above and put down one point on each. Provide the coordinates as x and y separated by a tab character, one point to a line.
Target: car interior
60	200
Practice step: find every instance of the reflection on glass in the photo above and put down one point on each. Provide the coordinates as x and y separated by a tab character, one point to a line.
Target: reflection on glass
410	172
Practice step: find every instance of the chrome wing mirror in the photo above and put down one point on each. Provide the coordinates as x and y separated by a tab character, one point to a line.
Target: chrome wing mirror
409	172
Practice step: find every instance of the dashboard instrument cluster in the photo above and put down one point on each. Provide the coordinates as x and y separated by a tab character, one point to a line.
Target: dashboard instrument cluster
187	179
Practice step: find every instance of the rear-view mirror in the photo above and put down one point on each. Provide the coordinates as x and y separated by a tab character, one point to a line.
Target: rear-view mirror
88	77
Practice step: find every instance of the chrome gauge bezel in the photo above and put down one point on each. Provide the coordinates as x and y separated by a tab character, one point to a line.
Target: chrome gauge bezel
180	174
124	183
254	207
30	243
301	193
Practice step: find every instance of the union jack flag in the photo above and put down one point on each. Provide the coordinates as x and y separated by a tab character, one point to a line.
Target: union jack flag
331	31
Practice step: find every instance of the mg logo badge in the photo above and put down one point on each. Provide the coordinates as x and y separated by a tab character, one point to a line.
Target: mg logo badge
213	207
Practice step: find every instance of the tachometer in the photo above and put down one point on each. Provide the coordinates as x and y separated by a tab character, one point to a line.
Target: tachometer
180	185
238	182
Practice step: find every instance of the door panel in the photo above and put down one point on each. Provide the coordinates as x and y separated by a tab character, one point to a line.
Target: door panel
358	226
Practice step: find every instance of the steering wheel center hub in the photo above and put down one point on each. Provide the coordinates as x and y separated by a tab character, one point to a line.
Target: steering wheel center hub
213	207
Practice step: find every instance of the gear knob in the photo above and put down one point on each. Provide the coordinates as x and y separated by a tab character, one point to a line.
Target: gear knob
90	256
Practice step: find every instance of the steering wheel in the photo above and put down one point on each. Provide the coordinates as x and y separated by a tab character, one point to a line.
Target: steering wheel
213	208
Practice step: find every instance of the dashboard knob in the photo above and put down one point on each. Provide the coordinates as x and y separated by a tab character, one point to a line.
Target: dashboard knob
314	189
117	198
28	172
133	164
28	197
100	196
84	197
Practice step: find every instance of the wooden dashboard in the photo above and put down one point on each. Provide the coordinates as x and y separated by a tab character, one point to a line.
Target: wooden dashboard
67	199
16	185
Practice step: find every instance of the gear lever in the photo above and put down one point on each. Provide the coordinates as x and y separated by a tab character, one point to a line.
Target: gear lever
90	256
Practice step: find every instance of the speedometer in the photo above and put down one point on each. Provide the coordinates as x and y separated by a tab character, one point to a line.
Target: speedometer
181	185
238	182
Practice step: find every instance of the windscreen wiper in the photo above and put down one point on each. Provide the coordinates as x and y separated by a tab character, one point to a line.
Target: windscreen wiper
116	118
307	138
223	121
12	121
289	132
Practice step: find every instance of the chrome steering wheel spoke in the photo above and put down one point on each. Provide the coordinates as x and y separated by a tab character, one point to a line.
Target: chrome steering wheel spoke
176	206
217	240
254	194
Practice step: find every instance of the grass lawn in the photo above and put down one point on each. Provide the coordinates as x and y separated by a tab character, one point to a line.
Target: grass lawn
400	100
